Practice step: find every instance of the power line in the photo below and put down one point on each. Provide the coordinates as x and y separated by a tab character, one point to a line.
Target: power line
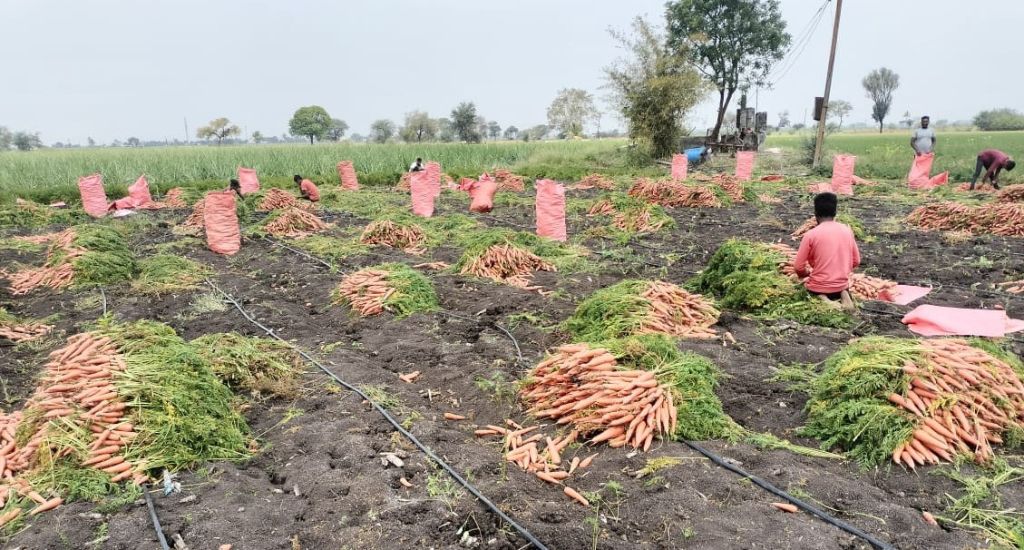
790	61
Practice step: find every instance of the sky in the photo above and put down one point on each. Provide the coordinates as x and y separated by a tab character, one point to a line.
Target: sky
111	69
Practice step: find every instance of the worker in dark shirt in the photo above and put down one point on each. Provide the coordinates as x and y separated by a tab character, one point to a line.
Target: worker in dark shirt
236	187
993	161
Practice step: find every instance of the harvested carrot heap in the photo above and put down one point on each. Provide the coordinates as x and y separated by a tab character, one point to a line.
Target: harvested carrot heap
408	238
85	254
195	219
917	402
293	222
17	330
593	181
387	287
279	199
509	264
507	181
863	287
641	307
631	215
1005	219
673	194
1013	193
173	199
729	184
1013	287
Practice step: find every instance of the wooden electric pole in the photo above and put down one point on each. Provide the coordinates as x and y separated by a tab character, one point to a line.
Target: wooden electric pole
819	143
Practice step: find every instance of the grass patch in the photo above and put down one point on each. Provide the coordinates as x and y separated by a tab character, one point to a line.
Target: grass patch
980	508
380	395
332	249
258	365
107	258
164	273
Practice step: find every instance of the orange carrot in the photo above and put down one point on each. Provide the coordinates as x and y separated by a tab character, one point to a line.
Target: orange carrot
586	461
453	416
785	507
929	519
573	494
546	477
48	505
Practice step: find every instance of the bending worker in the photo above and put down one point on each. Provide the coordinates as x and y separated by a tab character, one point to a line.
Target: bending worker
416	166
993	161
828	255
233	185
307	189
923	139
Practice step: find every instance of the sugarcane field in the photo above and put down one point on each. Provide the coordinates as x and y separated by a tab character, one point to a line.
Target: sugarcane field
673	317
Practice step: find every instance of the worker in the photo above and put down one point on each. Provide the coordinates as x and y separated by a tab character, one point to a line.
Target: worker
307	189
828	255
416	166
923	139
993	161
236	187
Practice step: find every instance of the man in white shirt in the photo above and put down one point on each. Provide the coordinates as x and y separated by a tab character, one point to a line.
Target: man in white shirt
417	166
923	139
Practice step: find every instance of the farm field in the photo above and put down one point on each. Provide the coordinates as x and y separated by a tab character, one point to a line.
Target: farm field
318	466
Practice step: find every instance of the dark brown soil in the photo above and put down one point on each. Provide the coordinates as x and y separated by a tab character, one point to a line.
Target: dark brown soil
319	479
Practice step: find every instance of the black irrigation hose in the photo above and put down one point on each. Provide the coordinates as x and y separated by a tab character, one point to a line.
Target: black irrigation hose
387	416
156	521
820	514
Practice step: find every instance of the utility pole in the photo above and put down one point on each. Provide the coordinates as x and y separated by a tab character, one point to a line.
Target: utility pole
819	143
186	129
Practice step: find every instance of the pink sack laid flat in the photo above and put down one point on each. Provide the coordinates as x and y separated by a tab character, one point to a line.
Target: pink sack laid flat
248	181
679	167
422	194
908	293
929	320
221	222
744	165
842	174
551	210
94	198
347	174
483	194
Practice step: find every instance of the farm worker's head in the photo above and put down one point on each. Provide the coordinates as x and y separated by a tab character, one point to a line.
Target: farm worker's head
234	185
825	205
924	121
297	178
1010	165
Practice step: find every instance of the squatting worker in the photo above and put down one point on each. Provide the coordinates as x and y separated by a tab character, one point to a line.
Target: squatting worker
993	161
828	253
307	188
416	166
236	187
923	139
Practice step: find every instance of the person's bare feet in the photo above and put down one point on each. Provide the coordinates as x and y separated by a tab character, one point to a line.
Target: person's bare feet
847	301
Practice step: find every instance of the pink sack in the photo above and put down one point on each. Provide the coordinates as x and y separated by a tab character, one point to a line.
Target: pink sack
433	170
820	187
422	194
483	194
347	173
467	185
551	210
842	174
679	166
929	320
248	181
920	173
744	165
221	222
94	198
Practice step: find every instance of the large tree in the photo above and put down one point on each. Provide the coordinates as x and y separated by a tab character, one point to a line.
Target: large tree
445	130
653	88
880	84
731	42
218	128
337	129
311	121
464	122
494	129
511	133
839	108
571	109
25	141
418	127
382	130
257	137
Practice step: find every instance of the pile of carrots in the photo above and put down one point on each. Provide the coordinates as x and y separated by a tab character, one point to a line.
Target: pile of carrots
1013	287
583	387
1014	193
173	199
676	312
509	264
1005	219
962	399
863	287
638	221
195	219
674	194
593	181
24	332
295	223
732	186
77	389
540	455
408	238
507	181
366	290
57	276
602	207
277	199
979	188
808	225
405	182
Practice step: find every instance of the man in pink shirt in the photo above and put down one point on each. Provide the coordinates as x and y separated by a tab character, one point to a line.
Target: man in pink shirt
992	160
307	188
828	254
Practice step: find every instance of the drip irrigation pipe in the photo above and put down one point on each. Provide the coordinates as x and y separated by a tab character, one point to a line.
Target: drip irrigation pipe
156	521
387	416
820	514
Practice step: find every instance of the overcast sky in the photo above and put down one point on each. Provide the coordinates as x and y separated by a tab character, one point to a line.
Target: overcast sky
111	69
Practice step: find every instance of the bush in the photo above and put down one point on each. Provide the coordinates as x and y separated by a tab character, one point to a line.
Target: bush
999	119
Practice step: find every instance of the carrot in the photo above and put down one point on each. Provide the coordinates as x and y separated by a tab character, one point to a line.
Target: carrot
9	516
453	416
553	452
585	463
574	464
122	476
48	505
112	461
405	482
610	433
573	494
929	519
785	507
118	468
483	433
546	477
36	497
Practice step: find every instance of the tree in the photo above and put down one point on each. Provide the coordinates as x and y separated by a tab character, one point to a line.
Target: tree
218	128
481	127
418	127
840	109
133	142
91	142
570	110
464	122
494	129
382	130
312	122
337	129
445	131
511	133
538	132
783	120
653	88
986	121
24	141
257	137
880	84
731	42
6	138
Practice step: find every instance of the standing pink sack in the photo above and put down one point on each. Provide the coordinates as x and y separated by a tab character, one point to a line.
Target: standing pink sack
94	198
221	222
422	194
248	181
551	210
744	165
433	170
347	174
842	174
482	194
920	173
680	165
